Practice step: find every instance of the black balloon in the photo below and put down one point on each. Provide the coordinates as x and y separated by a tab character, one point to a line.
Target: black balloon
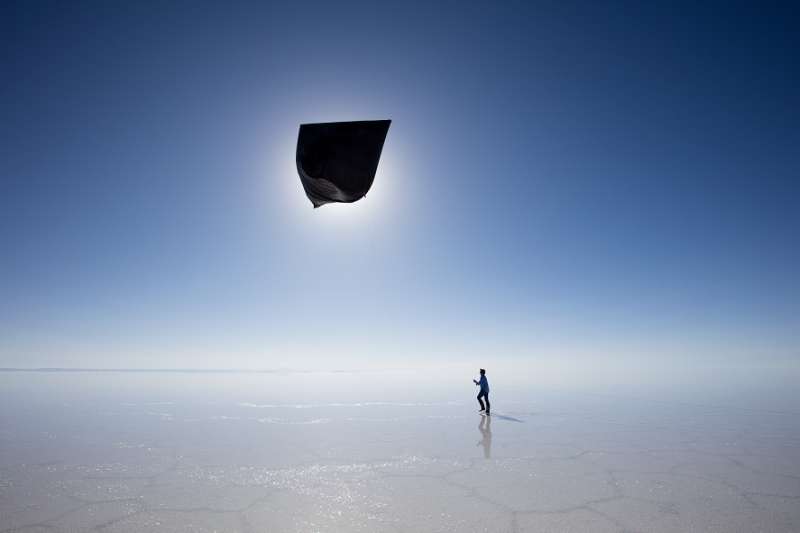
337	160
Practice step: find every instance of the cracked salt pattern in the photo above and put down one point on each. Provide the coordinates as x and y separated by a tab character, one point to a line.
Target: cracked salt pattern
134	454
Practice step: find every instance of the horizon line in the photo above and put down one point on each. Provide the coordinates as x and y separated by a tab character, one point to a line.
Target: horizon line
174	370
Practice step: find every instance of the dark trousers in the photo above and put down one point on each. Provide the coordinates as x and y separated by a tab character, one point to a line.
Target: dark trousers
481	395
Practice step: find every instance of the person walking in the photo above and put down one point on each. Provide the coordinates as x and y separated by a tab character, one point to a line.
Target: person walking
483	383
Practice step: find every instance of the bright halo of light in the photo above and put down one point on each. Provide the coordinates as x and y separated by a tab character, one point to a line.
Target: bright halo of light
364	216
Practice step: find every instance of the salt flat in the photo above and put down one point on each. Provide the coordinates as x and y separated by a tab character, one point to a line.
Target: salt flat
385	452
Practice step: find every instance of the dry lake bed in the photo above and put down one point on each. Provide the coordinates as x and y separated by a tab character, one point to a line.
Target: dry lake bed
374	452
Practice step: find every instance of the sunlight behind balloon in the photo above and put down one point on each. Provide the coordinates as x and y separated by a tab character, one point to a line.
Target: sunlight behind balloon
366	216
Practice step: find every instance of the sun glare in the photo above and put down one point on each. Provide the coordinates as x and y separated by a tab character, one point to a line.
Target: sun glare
363	216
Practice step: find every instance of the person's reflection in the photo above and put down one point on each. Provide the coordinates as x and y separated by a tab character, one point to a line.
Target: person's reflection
485	427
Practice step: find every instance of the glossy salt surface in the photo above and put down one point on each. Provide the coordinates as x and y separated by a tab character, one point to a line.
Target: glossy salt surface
385	452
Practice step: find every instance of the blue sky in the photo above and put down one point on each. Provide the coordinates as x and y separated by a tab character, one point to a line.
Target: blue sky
560	180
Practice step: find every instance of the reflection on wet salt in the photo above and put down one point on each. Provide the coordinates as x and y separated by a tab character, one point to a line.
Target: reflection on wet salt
485	427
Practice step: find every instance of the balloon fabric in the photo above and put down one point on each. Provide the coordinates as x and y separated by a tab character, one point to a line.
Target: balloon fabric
337	161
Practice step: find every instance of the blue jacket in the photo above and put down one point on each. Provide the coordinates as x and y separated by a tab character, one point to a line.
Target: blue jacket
484	383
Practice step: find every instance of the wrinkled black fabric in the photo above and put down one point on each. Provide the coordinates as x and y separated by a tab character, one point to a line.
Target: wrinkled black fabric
337	160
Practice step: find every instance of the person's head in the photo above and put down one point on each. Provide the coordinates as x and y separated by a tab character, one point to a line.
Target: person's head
483	371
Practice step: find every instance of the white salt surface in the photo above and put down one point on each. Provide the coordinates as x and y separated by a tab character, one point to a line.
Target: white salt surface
382	452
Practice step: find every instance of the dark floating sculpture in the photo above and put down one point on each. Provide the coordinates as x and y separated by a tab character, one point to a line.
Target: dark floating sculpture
337	160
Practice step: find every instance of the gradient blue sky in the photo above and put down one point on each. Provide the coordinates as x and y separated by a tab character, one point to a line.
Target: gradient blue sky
562	180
